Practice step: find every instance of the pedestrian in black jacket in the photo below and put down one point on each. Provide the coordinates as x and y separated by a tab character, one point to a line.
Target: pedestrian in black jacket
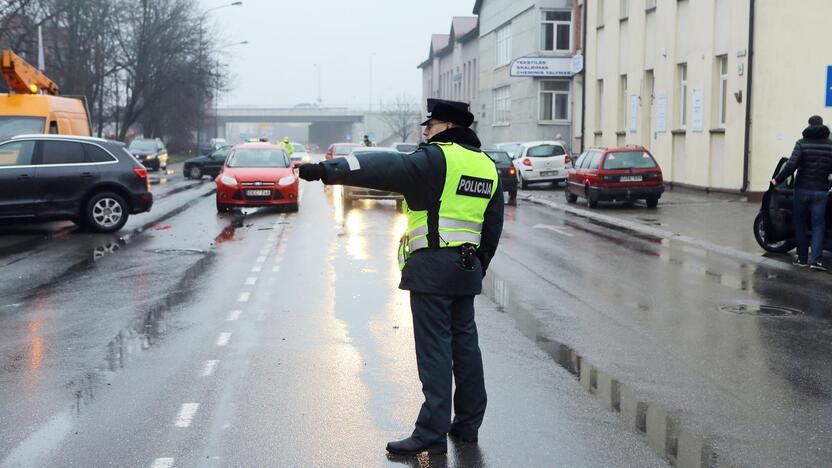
812	159
454	204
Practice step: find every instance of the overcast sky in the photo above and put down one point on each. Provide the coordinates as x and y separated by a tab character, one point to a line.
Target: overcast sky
287	38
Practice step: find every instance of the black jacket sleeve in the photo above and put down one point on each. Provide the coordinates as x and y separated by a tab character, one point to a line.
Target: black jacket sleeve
401	173
492	228
791	165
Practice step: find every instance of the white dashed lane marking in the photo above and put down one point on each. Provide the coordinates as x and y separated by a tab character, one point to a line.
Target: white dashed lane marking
244	297
163	463
276	269
257	269
223	339
234	315
210	368
251	280
186	414
261	259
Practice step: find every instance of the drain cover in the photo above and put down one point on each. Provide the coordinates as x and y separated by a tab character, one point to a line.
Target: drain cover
761	310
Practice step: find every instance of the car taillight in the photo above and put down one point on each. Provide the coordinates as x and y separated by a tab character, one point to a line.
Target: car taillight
140	172
512	171
567	160
651	175
527	162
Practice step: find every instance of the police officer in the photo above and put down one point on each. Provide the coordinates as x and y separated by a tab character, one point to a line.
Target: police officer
454	204
288	146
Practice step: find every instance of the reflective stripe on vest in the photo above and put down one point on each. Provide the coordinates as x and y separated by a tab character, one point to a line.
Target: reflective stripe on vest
470	182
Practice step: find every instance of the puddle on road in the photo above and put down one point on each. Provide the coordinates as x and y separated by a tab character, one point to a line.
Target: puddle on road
661	427
142	334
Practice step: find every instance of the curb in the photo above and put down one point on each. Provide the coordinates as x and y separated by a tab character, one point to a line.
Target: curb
612	221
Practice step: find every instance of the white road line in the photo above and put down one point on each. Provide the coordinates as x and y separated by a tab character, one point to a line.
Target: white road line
300	195
186	414
265	251
210	368
261	259
162	463
223	339
234	315
278	259
251	280
244	297
276	269
559	230
257	269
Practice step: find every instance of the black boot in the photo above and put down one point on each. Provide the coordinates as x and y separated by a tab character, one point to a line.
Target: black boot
411	446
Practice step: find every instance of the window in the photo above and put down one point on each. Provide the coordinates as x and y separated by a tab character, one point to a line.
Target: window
503	36
13	125
96	154
17	153
595	161
599	106
625	9
502	105
62	152
554	100
600	18
628	160
580	160
587	160
623	105
683	95
723	90
651	4
556	31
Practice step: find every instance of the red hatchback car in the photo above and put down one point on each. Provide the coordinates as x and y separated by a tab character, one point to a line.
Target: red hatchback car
255	175
339	150
615	174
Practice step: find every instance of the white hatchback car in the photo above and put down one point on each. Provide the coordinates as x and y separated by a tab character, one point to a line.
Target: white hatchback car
541	161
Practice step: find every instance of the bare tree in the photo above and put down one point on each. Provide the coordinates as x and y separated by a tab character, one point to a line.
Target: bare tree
402	116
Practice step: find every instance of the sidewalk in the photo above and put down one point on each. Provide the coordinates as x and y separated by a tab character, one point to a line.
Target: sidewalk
720	223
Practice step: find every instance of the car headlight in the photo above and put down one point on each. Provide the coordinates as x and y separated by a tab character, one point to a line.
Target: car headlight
149	157
288	180
229	181
306	158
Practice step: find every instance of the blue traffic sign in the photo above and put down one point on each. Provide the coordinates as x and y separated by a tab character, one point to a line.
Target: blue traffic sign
829	86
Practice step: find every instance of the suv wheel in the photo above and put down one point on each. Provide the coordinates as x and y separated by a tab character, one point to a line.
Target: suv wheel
570	197
782	246
195	172
106	212
523	184
591	200
652	202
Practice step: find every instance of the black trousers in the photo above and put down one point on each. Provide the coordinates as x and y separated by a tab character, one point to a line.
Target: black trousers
446	345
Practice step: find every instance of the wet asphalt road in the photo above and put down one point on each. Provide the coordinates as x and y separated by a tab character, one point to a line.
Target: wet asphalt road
272	339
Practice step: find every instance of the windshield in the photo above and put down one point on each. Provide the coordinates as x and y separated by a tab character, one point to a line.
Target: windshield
143	145
629	160
545	151
343	150
12	126
513	149
299	148
257	158
499	156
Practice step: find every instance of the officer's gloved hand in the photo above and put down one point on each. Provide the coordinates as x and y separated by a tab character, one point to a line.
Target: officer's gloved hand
311	171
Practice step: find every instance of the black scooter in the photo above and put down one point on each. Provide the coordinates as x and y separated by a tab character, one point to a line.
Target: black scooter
773	227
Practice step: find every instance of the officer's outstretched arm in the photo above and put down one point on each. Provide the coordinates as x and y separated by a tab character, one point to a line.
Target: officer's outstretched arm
492	228
383	171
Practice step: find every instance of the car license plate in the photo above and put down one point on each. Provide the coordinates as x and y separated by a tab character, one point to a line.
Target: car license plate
548	173
631	178
258	193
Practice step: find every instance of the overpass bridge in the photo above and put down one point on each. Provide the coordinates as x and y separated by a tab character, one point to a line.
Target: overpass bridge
326	125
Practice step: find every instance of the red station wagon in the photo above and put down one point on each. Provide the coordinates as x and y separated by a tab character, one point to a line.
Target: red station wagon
615	174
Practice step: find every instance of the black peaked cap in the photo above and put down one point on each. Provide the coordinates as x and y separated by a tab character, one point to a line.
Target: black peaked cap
454	112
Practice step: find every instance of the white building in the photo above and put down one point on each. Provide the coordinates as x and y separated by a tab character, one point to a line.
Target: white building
451	70
528	84
718	90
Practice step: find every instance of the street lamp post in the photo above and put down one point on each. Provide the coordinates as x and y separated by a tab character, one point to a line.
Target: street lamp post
201	20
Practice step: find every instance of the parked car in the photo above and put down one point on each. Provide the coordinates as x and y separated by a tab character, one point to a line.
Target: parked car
209	165
512	148
405	147
773	226
301	154
541	161
93	182
208	147
256	175
349	194
151	152
615	174
340	149
508	173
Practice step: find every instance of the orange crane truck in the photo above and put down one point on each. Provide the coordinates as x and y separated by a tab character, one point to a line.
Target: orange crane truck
33	104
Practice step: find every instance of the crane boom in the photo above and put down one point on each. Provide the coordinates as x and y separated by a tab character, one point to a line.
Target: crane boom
23	78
